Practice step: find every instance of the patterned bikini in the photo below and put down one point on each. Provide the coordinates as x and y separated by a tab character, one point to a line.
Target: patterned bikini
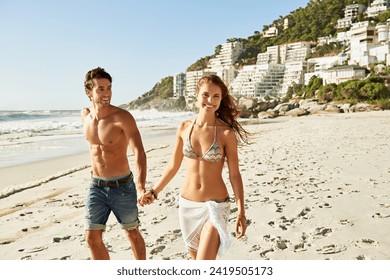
213	154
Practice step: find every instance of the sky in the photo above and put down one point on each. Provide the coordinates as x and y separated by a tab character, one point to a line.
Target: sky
47	46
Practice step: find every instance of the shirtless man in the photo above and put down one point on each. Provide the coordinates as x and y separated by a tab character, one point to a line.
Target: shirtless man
109	130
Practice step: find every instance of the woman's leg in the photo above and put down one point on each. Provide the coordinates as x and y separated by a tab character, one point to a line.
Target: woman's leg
208	243
192	254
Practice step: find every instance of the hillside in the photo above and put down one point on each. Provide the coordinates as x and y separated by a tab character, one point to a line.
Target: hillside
159	97
317	19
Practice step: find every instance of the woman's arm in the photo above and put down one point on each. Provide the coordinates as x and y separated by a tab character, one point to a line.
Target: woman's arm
169	171
235	180
173	166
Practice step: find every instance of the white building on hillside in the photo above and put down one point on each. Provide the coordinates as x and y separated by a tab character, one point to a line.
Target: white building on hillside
383	32
377	7
344	73
179	85
272	55
271	32
192	78
276	69
221	65
258	80
293	56
318	66
363	38
350	14
381	52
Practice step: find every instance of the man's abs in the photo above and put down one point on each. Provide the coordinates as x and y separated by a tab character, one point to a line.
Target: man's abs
109	162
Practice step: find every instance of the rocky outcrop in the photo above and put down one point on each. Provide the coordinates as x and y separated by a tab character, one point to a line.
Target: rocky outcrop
297	108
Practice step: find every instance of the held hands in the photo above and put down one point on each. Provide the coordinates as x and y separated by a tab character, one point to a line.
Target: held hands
240	226
148	197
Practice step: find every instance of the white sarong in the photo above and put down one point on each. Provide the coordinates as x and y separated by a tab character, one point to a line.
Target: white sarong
193	215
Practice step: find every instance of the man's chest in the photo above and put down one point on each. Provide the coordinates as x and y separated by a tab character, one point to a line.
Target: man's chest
102	132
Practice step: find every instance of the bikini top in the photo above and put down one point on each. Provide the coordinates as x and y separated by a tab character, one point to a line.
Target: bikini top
213	154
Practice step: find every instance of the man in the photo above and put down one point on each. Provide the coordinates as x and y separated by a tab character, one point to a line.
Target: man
109	130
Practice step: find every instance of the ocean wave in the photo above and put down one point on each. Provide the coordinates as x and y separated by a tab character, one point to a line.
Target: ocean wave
36	114
153	117
70	121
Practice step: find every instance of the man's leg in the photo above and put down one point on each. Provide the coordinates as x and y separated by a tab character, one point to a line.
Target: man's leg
137	243
94	240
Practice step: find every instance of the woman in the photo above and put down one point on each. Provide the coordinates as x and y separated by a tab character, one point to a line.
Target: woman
204	143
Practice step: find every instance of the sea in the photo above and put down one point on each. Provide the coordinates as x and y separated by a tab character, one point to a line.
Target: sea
30	136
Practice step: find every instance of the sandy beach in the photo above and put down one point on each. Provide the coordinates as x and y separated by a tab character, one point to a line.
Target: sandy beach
316	187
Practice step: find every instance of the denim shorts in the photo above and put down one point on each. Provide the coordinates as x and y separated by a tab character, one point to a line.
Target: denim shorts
121	200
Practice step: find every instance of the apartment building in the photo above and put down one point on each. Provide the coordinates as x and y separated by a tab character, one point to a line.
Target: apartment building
318	66
344	73
222	65
286	23
377	7
179	85
293	56
291	52
350	14
192	78
271	32
272	55
275	70
258	80
363	38
245	82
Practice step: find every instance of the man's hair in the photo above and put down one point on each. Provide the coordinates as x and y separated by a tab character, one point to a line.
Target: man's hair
97	73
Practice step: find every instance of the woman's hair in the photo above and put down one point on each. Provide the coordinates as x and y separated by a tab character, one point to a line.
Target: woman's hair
228	112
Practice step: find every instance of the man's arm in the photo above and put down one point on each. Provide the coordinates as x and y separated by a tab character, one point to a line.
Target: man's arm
135	143
84	113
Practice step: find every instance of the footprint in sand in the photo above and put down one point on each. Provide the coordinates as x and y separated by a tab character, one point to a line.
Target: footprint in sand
24	214
362	258
169	201
35	249
159	219
278	242
304	212
265	252
319	232
346	222
178	256
279	207
157	250
171	236
60	239
332	249
366	242
5	242
301	247
255	248
380	216
285	222
324	205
